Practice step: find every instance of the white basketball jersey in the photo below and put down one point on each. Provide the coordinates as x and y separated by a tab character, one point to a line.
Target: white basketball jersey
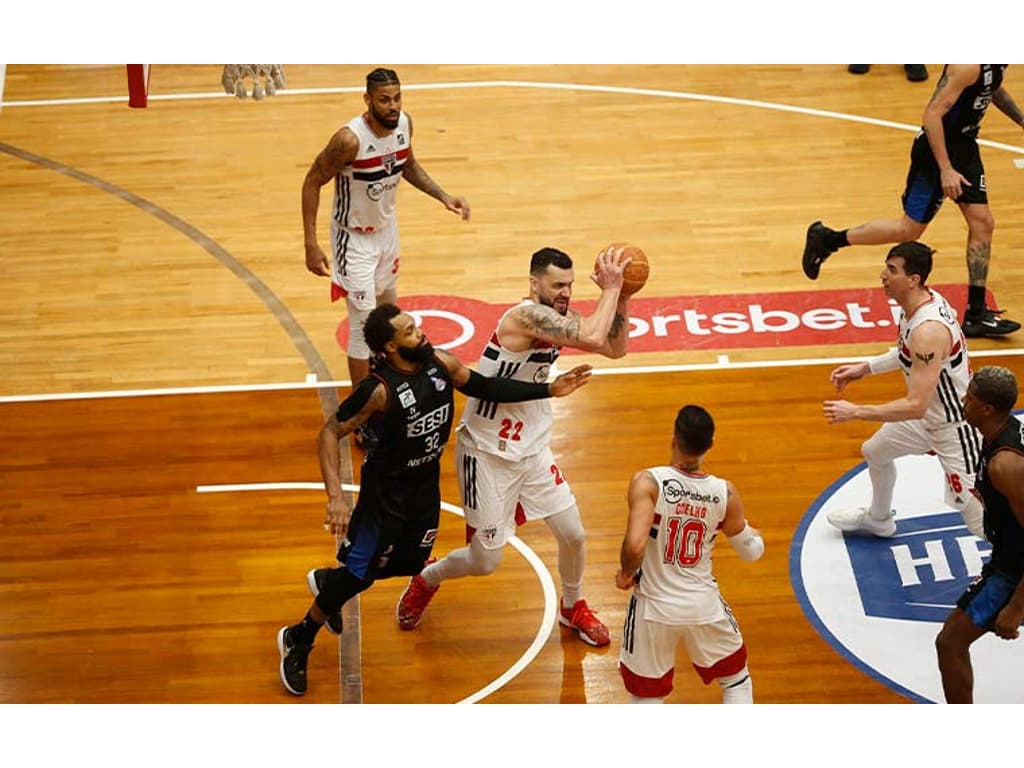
947	404
511	430
364	192
675	575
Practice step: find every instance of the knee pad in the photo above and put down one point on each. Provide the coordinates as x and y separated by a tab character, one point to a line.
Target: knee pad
357	347
340	586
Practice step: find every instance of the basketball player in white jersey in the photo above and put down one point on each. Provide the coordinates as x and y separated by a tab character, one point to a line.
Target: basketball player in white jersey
366	159
932	354
507	473
675	514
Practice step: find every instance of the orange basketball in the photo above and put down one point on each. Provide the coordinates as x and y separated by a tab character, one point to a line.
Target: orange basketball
635	276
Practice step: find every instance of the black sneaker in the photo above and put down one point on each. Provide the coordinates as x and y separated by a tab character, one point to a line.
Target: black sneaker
989	324
916	73
315	582
815	250
293	662
858	69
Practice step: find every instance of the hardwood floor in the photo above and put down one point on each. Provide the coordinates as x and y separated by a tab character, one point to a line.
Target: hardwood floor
161	248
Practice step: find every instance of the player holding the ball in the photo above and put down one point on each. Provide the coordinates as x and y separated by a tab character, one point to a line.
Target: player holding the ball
507	473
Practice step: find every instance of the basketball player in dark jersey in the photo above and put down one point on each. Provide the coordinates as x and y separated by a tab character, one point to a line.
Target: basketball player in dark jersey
944	162
995	602
408	398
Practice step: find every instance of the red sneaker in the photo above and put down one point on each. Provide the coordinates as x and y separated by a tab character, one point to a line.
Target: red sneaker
414	602
590	628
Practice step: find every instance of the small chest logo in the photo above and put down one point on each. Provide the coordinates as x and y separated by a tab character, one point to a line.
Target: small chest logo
406	398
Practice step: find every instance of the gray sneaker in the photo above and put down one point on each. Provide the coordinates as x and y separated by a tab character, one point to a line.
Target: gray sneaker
859	521
315	582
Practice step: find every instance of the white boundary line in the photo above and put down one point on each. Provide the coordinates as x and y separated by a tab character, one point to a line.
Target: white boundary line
547	622
723	364
516	84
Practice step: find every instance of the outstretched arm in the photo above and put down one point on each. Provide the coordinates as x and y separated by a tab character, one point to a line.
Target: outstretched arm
340	151
501	390
419	178
929	346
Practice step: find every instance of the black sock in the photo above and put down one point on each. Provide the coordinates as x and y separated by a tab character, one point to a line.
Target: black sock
305	631
975	301
837	238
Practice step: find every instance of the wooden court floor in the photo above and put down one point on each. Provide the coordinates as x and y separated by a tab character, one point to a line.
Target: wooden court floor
161	248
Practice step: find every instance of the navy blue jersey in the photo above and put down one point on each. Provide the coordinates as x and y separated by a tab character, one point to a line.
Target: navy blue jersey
1002	528
964	119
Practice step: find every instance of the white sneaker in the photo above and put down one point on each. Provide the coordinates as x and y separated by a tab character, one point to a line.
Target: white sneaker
859	521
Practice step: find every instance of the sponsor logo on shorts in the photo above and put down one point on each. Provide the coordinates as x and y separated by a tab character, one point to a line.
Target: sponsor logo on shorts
881	602
487	535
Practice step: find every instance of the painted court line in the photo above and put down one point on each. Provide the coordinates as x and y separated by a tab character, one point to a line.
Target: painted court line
547	622
518	84
723	364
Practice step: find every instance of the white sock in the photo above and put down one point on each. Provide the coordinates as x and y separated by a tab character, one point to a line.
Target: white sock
737	689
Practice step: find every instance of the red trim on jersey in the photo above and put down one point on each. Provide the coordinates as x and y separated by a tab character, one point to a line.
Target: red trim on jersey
698	475
374	162
929	300
337	292
657	518
646	687
730	665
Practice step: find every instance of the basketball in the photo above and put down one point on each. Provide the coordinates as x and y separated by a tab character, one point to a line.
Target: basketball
635	276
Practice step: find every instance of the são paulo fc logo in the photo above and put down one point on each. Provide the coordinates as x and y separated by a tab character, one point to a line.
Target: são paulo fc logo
881	602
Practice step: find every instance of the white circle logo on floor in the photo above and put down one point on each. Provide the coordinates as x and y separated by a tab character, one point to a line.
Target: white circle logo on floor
881	602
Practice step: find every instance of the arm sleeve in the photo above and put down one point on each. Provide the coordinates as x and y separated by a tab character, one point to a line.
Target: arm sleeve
884	363
354	403
503	390
748	545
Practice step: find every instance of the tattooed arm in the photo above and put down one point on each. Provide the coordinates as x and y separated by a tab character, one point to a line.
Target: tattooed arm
340	151
930	344
419	178
1007	106
950	86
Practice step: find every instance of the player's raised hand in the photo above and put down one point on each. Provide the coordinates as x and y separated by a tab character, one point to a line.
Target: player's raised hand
609	268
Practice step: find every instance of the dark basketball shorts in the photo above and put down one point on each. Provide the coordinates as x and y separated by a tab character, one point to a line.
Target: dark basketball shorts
393	528
923	196
986	597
